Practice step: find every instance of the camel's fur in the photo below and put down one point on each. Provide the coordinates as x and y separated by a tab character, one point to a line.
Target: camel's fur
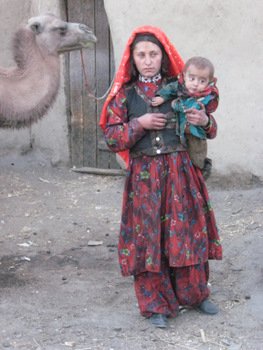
28	90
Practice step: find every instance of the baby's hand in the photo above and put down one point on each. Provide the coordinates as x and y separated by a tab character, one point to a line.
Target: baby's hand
157	101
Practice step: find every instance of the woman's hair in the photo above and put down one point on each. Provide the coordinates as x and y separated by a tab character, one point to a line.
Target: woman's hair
200	63
147	37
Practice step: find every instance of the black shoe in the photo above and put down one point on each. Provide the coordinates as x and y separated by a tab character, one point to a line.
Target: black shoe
207	307
159	320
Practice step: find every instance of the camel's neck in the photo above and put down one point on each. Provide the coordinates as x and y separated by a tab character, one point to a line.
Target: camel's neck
28	90
26	49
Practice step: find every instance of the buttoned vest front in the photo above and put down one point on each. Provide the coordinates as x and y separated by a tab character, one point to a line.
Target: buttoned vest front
154	142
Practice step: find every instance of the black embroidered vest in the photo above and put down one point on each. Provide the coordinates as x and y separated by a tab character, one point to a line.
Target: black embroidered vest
154	142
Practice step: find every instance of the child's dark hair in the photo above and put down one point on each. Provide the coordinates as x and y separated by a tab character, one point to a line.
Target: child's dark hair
200	63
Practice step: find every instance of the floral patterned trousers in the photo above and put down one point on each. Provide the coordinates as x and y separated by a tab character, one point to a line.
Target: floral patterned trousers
163	292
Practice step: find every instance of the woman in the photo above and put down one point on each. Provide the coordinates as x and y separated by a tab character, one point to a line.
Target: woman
168	230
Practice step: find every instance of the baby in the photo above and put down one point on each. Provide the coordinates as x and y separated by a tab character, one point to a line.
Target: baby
195	88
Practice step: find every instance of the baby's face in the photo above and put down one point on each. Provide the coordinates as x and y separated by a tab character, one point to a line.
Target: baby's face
196	80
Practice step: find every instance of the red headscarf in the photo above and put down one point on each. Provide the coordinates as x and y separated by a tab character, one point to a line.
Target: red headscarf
123	74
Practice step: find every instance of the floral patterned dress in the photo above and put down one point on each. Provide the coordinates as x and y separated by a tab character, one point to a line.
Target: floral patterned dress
166	208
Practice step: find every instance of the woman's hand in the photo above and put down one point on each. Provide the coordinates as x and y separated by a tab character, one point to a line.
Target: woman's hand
153	121
197	117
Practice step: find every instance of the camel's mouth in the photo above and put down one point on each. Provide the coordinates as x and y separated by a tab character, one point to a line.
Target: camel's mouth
82	44
89	43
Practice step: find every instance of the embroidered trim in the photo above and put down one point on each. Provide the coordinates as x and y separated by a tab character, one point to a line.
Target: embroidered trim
154	79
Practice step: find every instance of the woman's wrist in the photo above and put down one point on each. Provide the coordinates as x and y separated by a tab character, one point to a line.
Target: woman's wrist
208	121
208	124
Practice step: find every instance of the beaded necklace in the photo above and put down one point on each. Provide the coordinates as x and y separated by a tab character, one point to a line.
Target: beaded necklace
154	79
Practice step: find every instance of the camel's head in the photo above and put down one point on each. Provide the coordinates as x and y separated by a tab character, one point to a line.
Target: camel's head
57	36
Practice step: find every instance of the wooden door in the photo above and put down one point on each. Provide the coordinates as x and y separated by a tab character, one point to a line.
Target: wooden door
87	146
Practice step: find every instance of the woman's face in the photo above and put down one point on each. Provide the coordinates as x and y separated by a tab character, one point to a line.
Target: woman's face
147	57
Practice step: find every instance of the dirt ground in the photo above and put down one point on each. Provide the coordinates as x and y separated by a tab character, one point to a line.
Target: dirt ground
60	283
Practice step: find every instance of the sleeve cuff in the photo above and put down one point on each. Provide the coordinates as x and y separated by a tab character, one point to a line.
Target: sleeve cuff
208	125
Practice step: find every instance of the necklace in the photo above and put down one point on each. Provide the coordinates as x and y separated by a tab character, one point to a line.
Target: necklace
154	79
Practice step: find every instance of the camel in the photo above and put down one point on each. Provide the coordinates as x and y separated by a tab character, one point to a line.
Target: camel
29	89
